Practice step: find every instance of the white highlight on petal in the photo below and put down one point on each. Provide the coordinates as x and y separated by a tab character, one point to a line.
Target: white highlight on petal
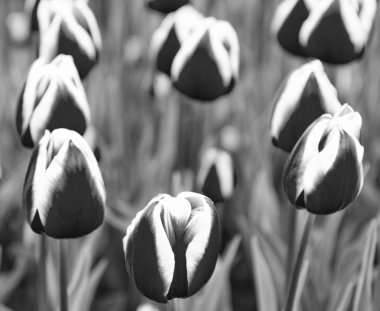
349	120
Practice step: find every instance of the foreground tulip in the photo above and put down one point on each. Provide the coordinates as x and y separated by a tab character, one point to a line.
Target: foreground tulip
172	245
64	194
337	31
304	96
216	175
173	31
69	27
207	63
324	171
166	6
287	23
53	97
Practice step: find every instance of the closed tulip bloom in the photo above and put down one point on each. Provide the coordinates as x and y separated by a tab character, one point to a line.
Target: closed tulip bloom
216	176
166	6
171	246
64	194
324	171
287	22
69	27
173	31
304	96
207	63
53	97
337	31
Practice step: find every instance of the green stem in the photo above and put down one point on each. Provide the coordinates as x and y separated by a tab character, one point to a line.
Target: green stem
172	305
62	275
41	277
290	298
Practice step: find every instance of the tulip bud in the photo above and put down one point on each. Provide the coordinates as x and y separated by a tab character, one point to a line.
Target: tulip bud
53	97
173	31
324	171
64	194
166	6
287	23
172	245
69	27
216	175
304	96
207	63
337	31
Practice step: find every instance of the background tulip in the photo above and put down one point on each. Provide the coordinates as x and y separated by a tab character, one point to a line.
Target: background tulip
207	63
52	97
337	31
64	194
324	172
216	175
172	245
304	96
69	27
166	6
173	31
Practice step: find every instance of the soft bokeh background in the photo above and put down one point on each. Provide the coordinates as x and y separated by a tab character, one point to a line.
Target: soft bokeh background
145	139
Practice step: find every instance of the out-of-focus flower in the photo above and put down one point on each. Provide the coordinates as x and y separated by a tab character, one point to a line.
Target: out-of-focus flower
147	307
216	175
172	245
64	194
18	27
207	64
53	97
69	27
166	6
287	22
173	31
324	172
304	96
337	31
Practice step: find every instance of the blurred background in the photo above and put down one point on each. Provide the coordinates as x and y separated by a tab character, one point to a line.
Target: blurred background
150	140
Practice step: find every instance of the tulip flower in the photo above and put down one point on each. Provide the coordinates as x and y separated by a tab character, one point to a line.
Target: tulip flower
324	171
207	63
216	176
64	194
173	31
338	31
53	97
166	6
287	23
69	27
172	245
304	96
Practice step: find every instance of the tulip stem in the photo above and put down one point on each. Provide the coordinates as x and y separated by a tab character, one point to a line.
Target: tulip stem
41	276
62	275
172	305
292	289
292	245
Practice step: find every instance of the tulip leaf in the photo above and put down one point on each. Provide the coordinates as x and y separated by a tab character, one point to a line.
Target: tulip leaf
344	302
211	295
267	299
363	293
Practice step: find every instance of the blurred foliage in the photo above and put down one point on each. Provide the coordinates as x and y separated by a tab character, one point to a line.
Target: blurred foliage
144	139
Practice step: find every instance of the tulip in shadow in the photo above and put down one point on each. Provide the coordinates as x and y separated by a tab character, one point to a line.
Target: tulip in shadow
172	245
64	194
166	6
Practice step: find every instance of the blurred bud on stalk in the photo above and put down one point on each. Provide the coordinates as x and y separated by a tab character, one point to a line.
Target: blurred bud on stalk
324	171
216	175
206	65
52	97
69	27
304	96
64	194
166	6
171	246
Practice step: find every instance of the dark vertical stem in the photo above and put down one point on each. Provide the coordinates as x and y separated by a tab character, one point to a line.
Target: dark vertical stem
289	305
292	232
62	275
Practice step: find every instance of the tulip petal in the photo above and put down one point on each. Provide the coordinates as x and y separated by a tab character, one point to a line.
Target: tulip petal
333	178
149	255
166	6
